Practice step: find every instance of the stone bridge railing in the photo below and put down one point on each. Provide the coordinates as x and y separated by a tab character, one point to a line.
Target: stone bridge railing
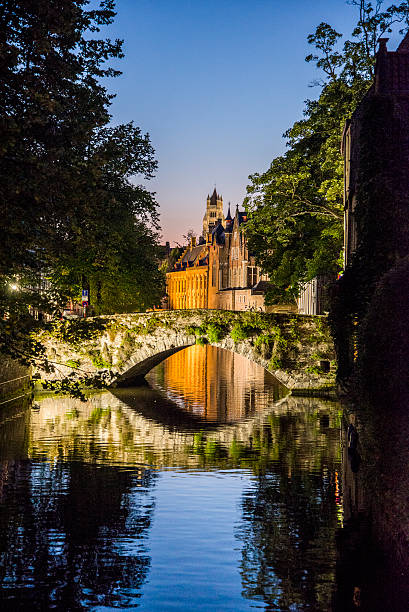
296	349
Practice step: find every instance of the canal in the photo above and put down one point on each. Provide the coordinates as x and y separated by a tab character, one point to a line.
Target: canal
206	489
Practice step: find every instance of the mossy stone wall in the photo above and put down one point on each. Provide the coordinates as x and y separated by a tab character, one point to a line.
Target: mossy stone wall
297	349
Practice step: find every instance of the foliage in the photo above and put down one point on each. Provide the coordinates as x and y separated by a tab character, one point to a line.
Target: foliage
99	361
264	344
240	331
215	331
73	363
295	207
77	331
168	263
71	212
201	340
76	386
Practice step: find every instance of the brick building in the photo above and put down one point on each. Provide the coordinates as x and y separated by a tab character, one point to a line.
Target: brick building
375	146
218	271
376	141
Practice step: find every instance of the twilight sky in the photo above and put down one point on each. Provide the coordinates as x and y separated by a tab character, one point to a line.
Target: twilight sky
215	83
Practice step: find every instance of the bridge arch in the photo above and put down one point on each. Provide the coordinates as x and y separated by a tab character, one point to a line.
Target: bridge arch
128	346
135	374
144	359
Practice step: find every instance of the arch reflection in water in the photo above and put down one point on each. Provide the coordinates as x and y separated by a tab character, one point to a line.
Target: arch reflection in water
215	384
245	511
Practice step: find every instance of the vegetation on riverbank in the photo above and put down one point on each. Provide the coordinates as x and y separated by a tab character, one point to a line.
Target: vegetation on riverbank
72	216
295	224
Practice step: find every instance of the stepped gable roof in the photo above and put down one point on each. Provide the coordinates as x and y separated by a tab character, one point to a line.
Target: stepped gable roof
214	197
192	255
391	69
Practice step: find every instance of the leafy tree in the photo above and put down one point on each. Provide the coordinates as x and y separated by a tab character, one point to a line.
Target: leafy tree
69	207
168	263
296	207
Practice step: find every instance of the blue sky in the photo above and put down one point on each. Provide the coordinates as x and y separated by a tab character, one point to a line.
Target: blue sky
215	84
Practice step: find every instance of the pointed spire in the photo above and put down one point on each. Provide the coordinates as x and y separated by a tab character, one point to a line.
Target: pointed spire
214	198
228	218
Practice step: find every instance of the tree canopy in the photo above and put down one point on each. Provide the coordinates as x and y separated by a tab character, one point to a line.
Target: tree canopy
296	207
70	209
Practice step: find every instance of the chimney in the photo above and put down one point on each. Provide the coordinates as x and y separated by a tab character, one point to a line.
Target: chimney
382	45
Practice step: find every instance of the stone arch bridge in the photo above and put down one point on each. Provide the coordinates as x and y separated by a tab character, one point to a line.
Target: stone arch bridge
296	349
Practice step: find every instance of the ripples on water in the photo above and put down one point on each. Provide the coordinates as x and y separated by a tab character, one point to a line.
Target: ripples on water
207	490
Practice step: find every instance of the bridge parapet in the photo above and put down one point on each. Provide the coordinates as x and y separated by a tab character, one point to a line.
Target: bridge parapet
296	349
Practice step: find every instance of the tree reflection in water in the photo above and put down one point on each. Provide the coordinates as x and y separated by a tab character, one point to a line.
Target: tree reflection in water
65	530
290	518
76	500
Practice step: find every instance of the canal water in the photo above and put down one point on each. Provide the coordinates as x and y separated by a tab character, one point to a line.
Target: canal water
207	489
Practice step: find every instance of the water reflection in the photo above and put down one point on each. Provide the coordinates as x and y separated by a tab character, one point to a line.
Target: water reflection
65	528
215	384
127	500
292	511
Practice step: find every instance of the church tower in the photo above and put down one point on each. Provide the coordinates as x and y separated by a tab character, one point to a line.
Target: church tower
213	214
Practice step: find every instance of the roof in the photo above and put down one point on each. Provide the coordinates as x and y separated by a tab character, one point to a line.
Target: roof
218	234
214	197
193	254
261	287
197	255
404	45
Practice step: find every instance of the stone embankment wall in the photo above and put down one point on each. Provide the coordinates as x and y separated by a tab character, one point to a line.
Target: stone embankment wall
14	378
297	349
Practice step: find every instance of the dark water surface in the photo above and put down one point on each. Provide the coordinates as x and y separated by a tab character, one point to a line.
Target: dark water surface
206	490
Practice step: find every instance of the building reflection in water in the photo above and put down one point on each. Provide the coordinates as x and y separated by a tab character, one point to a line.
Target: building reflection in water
80	483
216	384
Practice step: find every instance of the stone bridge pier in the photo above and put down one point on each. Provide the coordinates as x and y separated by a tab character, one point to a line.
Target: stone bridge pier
296	349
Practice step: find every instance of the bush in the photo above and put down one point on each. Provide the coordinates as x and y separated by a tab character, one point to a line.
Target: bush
201	340
215	332
264	344
240	332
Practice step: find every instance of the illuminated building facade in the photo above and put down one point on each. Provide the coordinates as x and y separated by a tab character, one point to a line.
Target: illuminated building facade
218	272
